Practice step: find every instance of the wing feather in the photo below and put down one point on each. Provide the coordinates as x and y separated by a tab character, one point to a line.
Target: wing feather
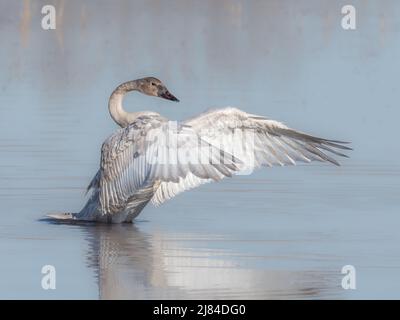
152	150
256	141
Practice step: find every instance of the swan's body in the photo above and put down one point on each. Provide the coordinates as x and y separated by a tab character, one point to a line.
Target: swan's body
150	158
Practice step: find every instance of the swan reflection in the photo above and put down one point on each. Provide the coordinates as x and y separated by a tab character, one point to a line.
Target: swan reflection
132	264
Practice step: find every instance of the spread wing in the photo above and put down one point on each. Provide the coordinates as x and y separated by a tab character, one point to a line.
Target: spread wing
154	150
256	141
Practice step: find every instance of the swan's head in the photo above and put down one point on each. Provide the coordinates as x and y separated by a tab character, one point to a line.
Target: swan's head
154	87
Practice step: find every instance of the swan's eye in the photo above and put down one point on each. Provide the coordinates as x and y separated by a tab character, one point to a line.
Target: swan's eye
153	84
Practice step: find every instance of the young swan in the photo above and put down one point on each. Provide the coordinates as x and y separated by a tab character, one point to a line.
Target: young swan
139	162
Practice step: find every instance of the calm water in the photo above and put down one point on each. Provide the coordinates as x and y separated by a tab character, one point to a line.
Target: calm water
279	233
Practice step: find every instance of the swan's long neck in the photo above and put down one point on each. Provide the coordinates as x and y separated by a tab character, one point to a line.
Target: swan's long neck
117	112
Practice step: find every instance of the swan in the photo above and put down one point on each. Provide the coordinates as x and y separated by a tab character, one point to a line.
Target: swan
152	159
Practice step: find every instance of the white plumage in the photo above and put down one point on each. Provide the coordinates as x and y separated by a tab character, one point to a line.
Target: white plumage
151	158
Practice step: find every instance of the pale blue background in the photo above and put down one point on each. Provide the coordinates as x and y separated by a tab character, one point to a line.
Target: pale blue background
279	233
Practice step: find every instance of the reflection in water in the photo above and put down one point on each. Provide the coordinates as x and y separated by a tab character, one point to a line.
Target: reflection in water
123	259
132	264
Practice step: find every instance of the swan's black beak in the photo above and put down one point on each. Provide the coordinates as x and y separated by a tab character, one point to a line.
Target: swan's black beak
168	95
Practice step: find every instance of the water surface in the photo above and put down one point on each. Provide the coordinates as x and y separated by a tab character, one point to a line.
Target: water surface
279	233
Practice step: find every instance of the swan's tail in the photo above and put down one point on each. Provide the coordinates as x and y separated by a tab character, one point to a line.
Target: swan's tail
62	216
89	213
